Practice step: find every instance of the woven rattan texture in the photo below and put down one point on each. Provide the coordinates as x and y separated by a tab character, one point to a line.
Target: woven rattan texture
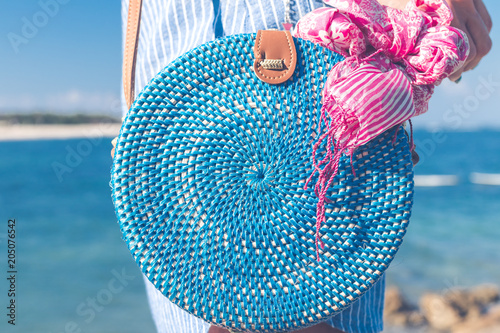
208	184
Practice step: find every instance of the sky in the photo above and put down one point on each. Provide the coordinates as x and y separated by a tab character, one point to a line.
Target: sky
65	56
70	61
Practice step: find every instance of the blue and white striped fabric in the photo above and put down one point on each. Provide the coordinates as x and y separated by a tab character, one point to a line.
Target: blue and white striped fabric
170	28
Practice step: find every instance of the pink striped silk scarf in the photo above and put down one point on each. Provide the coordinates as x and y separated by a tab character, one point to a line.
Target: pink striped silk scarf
394	58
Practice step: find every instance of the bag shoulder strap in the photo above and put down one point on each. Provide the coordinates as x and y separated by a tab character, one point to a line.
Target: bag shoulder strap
130	54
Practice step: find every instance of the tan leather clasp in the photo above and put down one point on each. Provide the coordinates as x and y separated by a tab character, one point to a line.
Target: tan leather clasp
275	56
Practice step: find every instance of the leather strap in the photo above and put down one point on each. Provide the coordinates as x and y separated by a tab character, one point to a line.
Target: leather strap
130	55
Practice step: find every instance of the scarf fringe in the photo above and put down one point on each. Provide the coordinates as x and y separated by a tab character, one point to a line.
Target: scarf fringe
338	127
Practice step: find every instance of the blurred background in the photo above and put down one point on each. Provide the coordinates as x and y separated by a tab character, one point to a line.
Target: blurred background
60	89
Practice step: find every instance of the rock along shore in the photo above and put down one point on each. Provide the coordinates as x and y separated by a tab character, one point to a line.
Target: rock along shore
454	311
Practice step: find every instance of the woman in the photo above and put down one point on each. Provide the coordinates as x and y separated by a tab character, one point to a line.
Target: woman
169	28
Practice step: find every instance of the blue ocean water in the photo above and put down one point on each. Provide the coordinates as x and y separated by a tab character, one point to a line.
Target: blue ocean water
454	235
75	272
69	246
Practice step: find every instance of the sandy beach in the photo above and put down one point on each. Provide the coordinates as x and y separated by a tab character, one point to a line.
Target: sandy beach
46	132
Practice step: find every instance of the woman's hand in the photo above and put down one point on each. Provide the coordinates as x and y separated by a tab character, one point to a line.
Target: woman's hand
472	17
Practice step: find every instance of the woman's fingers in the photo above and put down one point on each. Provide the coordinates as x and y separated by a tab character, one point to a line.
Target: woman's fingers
482	41
472	17
485	15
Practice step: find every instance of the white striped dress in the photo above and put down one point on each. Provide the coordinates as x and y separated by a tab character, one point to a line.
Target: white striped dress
169	28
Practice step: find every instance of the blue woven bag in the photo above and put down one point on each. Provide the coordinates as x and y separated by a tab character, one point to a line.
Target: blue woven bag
208	184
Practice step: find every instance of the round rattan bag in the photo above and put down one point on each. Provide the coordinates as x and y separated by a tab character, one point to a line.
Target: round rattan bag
208	184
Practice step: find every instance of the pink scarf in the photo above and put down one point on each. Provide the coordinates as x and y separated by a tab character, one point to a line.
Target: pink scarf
394	58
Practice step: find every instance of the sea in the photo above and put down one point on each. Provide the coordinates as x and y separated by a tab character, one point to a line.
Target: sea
73	272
